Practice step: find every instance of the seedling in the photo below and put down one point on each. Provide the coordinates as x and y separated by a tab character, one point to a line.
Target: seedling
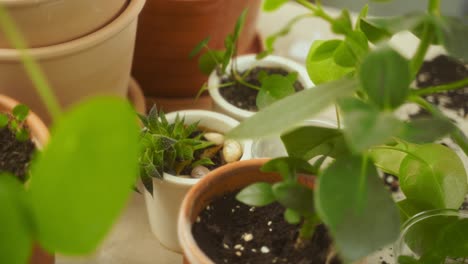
367	86
273	86
16	122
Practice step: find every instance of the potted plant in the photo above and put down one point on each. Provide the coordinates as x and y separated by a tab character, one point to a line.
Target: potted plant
367	85
240	85
80	181
178	150
51	22
163	41
97	63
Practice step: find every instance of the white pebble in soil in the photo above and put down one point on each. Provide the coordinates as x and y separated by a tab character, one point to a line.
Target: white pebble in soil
264	250
232	151
247	237
215	138
199	171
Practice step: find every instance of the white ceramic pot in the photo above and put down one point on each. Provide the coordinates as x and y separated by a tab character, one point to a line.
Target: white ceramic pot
163	206
244	63
50	22
96	64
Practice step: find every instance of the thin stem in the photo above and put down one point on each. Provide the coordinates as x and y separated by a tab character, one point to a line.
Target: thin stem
457	135
420	54
241	81
307	5
441	88
338	119
32	68
434	7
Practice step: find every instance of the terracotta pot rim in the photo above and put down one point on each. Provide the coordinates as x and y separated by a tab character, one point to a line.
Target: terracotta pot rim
244	62
127	16
39	131
184	223
18	3
246	144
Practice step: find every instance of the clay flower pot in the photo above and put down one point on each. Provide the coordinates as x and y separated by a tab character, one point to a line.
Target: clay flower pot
50	22
244	63
163	206
40	136
169	30
96	64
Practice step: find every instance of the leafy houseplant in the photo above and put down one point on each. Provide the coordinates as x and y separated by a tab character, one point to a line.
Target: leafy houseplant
81	180
177	150
240	85
367	85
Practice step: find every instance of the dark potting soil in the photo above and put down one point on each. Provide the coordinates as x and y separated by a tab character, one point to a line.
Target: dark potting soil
14	155
444	70
244	97
231	232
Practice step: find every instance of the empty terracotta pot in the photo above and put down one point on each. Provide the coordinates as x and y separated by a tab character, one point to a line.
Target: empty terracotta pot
50	22
169	30
96	64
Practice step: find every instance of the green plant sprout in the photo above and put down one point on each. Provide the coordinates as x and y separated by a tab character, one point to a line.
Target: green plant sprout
273	86
16	122
366	85
169	147
81	180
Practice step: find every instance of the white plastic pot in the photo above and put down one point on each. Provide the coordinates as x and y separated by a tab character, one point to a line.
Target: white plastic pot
50	22
163	206
244	63
96	64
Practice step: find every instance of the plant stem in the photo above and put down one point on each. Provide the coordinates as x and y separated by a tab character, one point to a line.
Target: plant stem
457	135
434	7
420	54
241	81
338	119
441	88
32	68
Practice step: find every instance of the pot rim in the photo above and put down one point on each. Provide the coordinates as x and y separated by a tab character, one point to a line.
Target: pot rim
205	114
246	61
21	3
39	131
127	16
184	224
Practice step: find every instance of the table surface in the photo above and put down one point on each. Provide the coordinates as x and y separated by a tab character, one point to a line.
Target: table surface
131	240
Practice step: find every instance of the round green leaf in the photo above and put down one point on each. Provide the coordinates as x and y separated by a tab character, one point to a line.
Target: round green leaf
257	194
434	177
3	120
82	180
272	5
20	112
294	196
274	87
209	60
292	216
16	224
385	76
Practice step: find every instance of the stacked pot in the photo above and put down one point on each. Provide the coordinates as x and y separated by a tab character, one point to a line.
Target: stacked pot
85	48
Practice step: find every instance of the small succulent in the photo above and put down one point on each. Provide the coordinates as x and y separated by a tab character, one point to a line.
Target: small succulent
16	122
169	147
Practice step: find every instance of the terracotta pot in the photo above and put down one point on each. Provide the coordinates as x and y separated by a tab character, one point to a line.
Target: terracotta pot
50	22
169	30
40	136
96	64
136	97
163	206
244	63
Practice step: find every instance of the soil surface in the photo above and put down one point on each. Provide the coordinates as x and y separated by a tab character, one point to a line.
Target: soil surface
231	232
14	155
245	97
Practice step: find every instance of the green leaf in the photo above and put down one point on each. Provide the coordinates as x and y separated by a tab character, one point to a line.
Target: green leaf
396	24
385	77
295	196
288	167
434	177
83	179
22	135
365	126
342	24
292	217
272	5
16	222
199	47
389	158
3	120
352	49
309	141
305	104
408	209
208	61
321	65
274	87
20	112
454	31
239	24
426	130
353	203
453	241
374	34
257	194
